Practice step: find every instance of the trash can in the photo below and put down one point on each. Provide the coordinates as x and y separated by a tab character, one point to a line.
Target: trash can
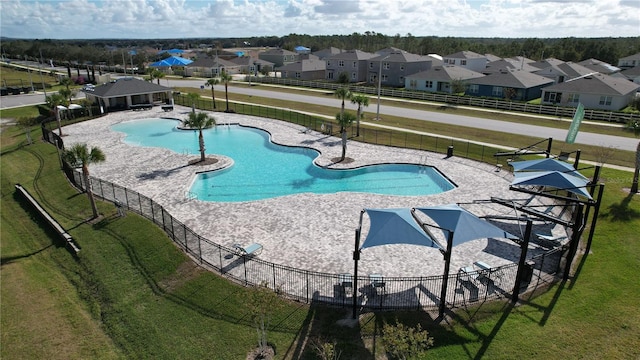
527	273
450	151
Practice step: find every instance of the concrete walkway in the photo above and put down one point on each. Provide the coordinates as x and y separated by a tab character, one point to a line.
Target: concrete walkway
306	231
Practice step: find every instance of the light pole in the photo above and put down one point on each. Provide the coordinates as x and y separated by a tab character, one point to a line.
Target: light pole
380	85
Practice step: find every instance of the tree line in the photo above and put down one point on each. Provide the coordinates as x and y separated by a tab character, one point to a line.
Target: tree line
112	51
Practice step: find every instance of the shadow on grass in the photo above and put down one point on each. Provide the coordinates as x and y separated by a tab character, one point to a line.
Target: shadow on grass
621	211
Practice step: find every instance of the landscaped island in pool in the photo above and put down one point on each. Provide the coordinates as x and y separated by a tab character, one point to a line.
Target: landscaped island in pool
263	170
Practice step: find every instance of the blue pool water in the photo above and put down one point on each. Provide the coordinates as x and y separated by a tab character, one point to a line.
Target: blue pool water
265	170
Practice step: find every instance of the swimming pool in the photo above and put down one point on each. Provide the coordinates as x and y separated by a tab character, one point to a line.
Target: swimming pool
263	170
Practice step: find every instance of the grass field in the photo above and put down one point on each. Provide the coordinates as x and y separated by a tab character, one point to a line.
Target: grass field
132	294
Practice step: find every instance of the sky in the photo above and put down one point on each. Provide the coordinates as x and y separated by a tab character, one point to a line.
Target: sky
153	19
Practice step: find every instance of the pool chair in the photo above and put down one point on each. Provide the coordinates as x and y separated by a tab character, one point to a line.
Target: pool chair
377	282
253	249
345	280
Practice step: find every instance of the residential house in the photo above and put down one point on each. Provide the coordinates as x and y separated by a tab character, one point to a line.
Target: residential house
629	61
211	67
509	84
440	78
599	66
252	65
279	57
352	62
467	59
595	91
126	92
307	69
543	64
564	71
394	67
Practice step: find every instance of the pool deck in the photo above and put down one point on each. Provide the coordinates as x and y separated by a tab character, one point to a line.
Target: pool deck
306	231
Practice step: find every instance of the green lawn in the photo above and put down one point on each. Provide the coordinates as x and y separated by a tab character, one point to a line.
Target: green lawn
132	294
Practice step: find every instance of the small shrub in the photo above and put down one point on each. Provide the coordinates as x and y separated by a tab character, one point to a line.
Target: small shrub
403	342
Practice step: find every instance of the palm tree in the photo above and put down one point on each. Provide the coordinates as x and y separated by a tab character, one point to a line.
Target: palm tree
200	121
152	73
193	97
66	82
344	120
79	155
342	93
361	100
159	75
211	82
53	101
225	78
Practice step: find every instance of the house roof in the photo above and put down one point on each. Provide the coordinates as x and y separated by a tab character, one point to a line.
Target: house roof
491	57
631	57
446	73
599	84
569	69
126	86
517	79
542	64
403	56
599	66
464	55
631	73
324	53
352	55
389	50
508	64
211	62
305	65
171	61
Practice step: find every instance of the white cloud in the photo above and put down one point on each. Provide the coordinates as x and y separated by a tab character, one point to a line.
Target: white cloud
63	19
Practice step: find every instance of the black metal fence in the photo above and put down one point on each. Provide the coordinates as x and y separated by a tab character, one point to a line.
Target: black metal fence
334	289
490	103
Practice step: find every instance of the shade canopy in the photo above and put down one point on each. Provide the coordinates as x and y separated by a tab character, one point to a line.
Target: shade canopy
395	226
465	225
546	164
161	63
556	179
171	61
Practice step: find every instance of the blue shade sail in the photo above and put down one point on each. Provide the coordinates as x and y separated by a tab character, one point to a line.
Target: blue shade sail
556	179
395	226
465	225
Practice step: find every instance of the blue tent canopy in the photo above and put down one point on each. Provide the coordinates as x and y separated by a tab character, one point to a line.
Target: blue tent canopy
546	164
161	63
556	179
171	61
395	226
465	225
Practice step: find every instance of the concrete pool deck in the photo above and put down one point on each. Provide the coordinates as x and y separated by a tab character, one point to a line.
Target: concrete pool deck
306	231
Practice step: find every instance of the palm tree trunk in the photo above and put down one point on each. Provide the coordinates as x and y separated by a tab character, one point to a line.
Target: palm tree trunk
213	96
636	173
201	141
226	95
358	120
57	111
344	144
87	184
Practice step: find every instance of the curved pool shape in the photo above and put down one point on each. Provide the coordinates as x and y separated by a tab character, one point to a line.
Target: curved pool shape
263	170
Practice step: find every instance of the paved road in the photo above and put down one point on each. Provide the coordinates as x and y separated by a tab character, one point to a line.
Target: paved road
622	143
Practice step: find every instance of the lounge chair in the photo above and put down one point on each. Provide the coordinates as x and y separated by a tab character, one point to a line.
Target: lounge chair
253	249
345	281
377	282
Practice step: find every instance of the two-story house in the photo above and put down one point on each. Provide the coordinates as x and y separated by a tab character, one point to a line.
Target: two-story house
467	59
394	67
352	62
629	61
306	69
279	57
